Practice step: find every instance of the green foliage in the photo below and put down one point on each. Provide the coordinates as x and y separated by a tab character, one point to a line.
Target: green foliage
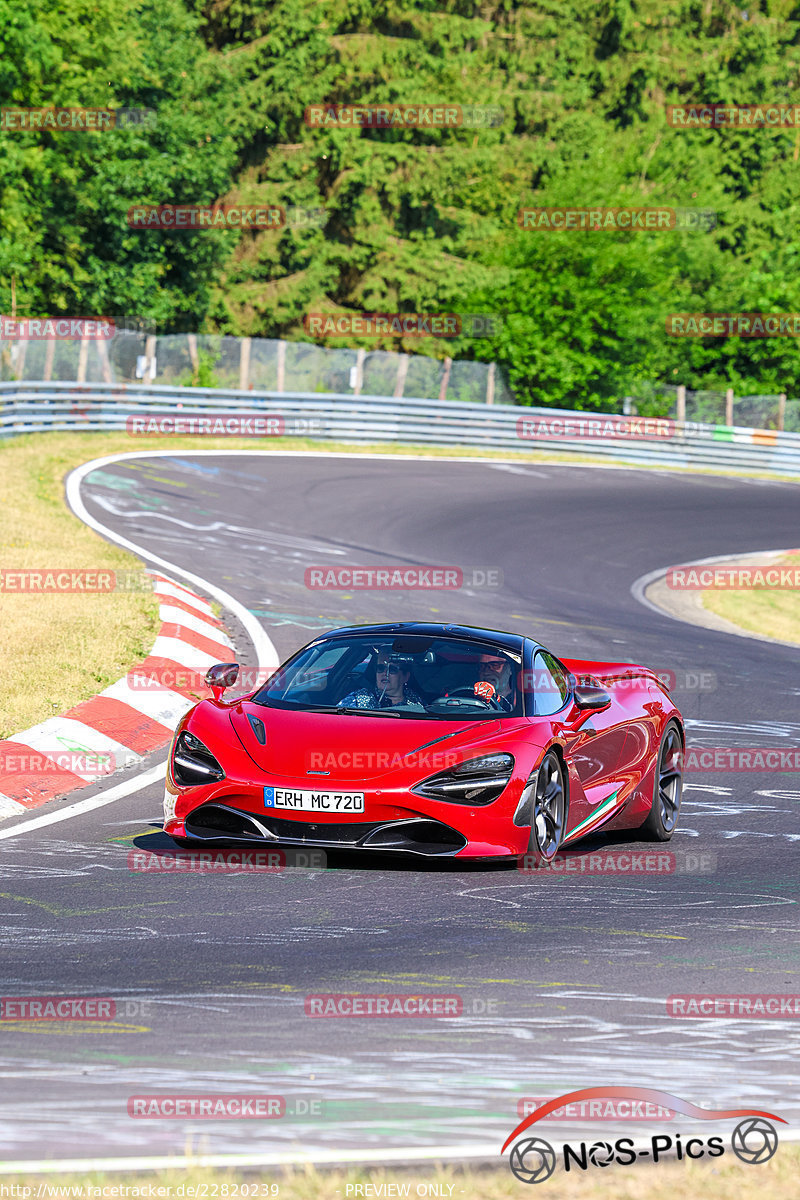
64	195
203	374
418	219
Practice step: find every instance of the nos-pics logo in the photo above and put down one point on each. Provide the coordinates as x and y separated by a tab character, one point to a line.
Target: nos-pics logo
533	1160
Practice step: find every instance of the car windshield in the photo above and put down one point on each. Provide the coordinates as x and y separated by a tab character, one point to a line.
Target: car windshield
442	678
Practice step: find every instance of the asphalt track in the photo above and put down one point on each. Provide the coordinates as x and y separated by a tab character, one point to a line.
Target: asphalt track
563	979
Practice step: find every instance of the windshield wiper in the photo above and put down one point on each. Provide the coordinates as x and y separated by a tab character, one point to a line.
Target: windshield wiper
384	712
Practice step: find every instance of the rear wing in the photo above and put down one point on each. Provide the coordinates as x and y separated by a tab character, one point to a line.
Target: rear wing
616	675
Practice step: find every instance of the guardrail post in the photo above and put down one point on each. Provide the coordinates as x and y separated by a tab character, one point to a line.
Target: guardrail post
83	358
150	356
729	406
490	384
448	362
781	411
244	364
281	366
680	414
402	371
105	365
359	383
18	362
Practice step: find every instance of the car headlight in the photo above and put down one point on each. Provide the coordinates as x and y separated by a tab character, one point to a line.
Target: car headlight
193	763
477	781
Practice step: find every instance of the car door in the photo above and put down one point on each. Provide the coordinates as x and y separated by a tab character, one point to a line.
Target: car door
593	740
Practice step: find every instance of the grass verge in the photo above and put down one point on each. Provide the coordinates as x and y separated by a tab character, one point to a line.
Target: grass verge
761	610
723	1179
64	648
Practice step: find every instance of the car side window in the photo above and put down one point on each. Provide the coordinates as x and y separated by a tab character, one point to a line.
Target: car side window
550	687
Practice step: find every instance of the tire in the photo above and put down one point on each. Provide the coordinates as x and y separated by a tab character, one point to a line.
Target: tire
667	788
549	814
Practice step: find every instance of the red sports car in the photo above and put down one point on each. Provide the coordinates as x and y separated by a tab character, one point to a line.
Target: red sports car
430	739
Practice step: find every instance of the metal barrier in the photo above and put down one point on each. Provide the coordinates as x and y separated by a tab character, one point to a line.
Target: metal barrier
36	407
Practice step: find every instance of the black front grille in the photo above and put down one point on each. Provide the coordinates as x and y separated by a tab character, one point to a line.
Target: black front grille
418	835
307	831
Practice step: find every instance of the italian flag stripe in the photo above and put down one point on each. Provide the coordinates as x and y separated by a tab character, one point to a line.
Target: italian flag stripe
595	818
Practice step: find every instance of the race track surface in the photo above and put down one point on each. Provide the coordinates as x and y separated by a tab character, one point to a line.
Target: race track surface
564	979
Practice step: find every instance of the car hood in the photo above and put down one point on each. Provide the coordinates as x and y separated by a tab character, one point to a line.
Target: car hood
350	747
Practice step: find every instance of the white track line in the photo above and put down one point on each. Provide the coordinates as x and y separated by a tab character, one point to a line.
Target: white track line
456	458
640	585
266	654
153	775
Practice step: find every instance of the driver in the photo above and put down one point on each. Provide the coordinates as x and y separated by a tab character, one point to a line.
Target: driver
498	671
392	687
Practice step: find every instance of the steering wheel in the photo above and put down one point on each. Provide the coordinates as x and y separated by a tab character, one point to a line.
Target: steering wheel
491	702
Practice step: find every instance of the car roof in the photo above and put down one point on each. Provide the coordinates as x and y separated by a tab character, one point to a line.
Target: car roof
499	637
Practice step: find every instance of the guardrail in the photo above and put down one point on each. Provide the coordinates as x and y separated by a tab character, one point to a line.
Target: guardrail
27	407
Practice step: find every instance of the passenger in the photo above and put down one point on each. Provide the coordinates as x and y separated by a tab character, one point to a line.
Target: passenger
392	687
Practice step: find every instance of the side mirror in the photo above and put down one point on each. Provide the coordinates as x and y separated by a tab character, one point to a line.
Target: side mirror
589	697
221	676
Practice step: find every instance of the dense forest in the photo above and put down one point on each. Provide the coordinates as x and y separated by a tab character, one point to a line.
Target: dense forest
415	219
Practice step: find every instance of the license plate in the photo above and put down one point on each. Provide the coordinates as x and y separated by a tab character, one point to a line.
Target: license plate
307	801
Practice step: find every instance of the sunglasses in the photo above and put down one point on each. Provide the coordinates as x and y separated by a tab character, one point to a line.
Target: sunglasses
392	668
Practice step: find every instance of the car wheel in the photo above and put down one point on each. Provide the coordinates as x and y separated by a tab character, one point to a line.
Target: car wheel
660	824
549	817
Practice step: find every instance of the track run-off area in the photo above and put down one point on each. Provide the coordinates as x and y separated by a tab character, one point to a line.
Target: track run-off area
563	976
